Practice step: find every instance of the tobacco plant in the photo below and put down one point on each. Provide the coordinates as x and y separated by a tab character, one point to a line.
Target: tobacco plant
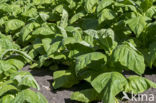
80	40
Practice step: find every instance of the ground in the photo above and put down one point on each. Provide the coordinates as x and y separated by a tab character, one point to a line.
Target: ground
44	79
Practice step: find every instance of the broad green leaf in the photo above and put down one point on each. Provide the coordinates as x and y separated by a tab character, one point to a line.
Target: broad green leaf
25	79
107	40
146	4
86	96
7	98
152	54
12	9
89	5
103	33
63	32
3	20
44	16
4	88
151	12
26	31
58	8
52	45
71	40
83	60
13	24
129	57
109	84
29	96
57	56
137	24
30	12
76	17
17	61
90	74
103	4
5	66
138	84
5	44
91	32
45	30
106	14
64	79
72	3
76	32
24	54
64	19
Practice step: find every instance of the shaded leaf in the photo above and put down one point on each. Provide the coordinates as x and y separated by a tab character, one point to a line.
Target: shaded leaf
64	79
83	60
86	96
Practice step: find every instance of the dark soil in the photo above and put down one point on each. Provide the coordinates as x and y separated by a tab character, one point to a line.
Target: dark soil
45	79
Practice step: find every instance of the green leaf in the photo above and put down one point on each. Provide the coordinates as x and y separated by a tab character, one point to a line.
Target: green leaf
151	55
71	40
137	84
64	79
57	56
150	12
76	17
5	66
109	84
91	32
146	4
6	43
13	24
30	12
83	60
29	96
103	4
26	30
86	96
137	24
25	79
45	30
90	74
52	45
63	32
107	40
64	19
72	3
44	16
127	55
17	61
7	98
24	54
12	9
106	14
4	88
89	5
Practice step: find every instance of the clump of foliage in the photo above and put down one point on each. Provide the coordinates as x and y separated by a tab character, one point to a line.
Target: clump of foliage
95	41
